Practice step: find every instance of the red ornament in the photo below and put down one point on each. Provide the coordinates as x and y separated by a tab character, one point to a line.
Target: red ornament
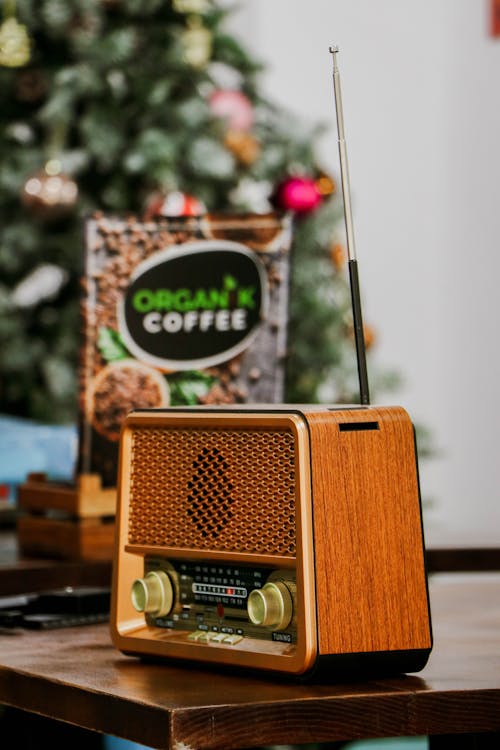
173	204
299	194
234	107
495	18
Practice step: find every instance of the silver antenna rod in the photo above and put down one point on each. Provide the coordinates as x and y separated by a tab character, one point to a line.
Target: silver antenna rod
344	168
359	337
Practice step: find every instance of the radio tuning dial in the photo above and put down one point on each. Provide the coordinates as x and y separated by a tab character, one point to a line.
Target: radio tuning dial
271	606
153	594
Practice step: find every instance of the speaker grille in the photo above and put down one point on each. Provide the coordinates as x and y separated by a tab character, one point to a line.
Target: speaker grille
213	489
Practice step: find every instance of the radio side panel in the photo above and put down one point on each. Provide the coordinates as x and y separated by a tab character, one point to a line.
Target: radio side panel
371	584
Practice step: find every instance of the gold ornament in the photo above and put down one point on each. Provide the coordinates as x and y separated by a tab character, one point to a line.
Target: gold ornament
338	256
50	194
191	6
325	184
197	43
370	336
15	44
243	146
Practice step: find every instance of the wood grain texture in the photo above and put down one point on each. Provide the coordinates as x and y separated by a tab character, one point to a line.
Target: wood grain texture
369	558
76	676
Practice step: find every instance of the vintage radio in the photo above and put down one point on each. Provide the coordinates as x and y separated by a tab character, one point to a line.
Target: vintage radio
278	538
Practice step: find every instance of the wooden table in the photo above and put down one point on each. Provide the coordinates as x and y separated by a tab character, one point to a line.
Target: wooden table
76	676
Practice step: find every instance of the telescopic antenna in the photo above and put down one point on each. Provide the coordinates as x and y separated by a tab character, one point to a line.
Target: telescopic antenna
359	338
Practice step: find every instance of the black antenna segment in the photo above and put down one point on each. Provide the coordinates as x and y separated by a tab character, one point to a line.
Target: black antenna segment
359	338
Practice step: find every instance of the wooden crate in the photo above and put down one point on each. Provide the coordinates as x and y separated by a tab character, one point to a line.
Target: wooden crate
64	521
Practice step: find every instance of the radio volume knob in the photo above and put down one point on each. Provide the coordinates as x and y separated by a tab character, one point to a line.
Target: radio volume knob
271	606
153	594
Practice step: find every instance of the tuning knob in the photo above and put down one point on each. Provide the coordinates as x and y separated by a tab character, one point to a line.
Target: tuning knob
271	606
153	594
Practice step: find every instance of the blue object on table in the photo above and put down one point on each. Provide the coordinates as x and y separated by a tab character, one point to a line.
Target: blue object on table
26	447
395	743
115	743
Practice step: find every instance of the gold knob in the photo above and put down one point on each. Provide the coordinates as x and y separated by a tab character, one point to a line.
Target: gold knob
153	594
271	606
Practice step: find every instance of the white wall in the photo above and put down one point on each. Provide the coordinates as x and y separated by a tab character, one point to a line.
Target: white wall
421	94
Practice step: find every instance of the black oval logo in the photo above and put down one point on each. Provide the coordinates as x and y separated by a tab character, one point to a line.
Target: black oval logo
195	305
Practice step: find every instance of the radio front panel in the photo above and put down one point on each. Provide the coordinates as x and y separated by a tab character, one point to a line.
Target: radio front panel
214	556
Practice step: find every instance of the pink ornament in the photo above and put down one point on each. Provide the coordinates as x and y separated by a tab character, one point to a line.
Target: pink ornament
299	194
234	107
173	204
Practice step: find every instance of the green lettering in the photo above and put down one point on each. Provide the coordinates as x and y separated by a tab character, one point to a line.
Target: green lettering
219	298
182	300
230	282
245	297
201	301
143	300
210	299
163	299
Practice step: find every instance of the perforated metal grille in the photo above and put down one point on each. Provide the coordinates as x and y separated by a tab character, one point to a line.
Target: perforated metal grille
217	489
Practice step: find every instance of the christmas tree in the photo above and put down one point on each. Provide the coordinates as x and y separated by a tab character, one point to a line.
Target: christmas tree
130	106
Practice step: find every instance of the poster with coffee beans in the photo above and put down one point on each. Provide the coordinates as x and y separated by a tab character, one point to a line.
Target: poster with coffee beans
179	312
